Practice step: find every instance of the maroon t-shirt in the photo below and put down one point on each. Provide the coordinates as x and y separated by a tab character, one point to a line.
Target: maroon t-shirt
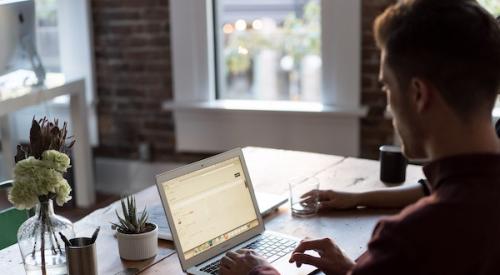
455	230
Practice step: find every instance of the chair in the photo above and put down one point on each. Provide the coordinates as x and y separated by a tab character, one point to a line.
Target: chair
10	220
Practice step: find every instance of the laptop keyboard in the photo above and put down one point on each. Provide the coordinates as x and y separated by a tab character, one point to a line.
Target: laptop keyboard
212	268
271	247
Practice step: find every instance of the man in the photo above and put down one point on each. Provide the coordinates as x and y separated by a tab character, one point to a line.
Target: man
440	69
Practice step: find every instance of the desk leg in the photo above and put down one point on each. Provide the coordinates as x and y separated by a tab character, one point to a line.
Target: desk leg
82	155
9	142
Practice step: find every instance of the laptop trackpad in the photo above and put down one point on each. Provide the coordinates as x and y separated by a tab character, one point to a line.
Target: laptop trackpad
285	267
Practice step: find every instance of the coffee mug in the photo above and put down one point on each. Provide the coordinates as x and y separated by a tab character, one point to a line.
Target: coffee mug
392	164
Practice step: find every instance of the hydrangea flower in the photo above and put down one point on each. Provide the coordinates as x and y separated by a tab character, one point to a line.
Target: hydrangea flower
57	160
34	178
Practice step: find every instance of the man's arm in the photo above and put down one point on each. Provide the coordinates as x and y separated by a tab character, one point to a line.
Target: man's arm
381	198
388	253
392	197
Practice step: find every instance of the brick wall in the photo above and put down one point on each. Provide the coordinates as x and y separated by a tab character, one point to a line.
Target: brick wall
132	56
133	72
375	129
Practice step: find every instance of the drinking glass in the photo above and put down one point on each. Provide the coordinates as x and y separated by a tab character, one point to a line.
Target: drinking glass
304	196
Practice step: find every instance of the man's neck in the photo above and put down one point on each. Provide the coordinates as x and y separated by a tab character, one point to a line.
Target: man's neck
463	139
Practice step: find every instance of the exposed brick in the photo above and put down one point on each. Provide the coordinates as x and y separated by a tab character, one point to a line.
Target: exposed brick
375	128
133	74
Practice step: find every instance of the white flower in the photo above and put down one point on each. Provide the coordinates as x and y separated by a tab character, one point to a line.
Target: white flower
56	160
62	192
23	195
34	178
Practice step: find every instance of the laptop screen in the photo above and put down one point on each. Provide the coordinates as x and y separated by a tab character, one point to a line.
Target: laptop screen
210	206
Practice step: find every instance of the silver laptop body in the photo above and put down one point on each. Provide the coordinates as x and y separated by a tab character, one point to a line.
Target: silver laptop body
211	208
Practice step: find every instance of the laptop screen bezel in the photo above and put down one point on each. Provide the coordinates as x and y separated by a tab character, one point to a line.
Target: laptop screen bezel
218	249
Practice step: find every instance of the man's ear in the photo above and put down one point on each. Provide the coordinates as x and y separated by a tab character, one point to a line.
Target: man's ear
421	94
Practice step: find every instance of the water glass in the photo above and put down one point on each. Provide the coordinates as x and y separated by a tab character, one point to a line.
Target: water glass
304	196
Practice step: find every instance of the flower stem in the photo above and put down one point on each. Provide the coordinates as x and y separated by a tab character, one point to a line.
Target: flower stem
33	234
51	230
42	235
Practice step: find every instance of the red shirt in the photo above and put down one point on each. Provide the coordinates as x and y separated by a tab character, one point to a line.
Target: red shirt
455	230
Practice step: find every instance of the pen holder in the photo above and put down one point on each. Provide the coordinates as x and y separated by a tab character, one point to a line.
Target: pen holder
81	257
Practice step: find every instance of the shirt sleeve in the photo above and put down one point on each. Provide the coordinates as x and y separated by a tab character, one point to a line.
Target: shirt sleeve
264	270
386	253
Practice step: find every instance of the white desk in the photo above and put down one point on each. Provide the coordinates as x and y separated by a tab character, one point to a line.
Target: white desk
16	99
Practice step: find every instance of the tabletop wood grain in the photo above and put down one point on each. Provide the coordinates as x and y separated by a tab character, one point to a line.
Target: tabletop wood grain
270	170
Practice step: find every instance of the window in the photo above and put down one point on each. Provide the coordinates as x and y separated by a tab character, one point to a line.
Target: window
492	6
268	50
206	114
47	36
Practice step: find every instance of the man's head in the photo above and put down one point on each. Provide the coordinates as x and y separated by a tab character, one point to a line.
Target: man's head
440	64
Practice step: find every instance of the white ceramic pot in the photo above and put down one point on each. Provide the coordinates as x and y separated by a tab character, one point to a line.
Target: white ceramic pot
136	247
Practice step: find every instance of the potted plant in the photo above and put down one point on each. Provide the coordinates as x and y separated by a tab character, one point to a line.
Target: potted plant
137	238
38	181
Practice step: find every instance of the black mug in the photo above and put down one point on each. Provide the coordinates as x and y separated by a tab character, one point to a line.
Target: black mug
392	164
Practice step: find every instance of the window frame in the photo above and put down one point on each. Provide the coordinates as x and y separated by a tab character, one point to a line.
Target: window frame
194	80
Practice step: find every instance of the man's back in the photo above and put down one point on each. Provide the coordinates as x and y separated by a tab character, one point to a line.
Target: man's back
455	230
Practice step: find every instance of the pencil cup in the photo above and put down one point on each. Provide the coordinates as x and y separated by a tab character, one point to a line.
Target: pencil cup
81	257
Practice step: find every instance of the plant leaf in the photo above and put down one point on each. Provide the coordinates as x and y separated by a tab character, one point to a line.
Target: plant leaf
21	154
132	222
124	210
36	139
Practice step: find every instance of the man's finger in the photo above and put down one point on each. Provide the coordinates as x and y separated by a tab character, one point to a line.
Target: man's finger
232	255
227	262
301	258
321	194
318	244
244	251
224	270
310	194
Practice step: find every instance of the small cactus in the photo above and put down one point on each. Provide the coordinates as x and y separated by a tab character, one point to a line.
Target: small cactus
131	223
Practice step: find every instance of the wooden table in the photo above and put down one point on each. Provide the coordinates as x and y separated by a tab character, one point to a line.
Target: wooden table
269	170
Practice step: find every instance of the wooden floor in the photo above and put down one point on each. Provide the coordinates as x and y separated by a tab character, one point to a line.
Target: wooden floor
71	212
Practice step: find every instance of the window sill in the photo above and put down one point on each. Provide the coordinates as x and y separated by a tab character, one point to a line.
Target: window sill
224	124
495	114
258	106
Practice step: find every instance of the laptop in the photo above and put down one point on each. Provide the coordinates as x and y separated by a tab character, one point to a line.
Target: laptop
211	209
267	204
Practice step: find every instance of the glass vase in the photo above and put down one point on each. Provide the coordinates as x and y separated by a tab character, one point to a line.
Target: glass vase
41	246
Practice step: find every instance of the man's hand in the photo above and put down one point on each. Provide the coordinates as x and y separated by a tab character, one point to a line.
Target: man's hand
332	260
240	262
330	199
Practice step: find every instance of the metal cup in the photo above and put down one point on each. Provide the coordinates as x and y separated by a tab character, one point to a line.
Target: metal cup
81	257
